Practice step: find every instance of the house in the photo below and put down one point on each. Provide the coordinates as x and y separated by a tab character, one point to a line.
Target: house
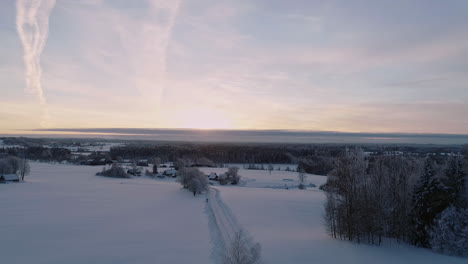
213	176
8	178
170	172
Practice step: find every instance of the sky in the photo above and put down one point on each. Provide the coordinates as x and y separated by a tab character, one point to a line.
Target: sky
351	66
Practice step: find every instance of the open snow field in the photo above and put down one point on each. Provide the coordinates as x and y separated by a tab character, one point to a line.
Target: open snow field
288	225
265	179
65	214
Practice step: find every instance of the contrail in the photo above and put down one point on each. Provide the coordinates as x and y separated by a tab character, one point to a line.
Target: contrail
32	24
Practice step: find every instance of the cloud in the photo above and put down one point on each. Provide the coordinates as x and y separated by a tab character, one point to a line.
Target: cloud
121	54
276	135
32	22
249	65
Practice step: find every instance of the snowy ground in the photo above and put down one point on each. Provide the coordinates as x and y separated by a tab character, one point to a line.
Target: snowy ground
265	179
65	214
288	225
278	166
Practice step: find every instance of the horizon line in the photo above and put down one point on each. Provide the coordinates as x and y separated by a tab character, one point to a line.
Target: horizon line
152	131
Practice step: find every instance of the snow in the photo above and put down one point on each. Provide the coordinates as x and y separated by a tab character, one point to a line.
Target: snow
65	214
263	178
281	166
288	225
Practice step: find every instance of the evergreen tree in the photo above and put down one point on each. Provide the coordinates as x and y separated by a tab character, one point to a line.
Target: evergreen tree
450	232
465	151
455	182
429	199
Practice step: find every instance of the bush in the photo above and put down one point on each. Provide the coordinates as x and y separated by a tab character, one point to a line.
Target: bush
115	171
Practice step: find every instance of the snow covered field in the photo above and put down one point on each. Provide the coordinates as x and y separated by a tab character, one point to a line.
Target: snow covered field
265	179
65	214
288	224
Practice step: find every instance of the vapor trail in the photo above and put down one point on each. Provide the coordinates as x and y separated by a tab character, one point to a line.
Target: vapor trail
32	24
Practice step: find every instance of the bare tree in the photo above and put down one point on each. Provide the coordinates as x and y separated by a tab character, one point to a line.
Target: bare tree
330	217
270	168
302	177
344	183
24	168
242	250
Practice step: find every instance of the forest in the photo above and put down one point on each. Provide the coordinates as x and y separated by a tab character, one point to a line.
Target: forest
419	200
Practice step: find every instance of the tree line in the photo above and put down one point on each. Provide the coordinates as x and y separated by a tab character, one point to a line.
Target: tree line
421	201
38	153
14	165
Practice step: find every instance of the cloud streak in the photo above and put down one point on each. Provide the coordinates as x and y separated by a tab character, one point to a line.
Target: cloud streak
284	136
32	23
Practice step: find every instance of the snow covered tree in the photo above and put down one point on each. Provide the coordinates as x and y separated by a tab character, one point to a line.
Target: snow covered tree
465	151
390	177
223	179
232	175
5	167
242	250
10	164
344	182
455	181
331	214
179	164
449	234
198	182
192	179
115	171
183	176
429	199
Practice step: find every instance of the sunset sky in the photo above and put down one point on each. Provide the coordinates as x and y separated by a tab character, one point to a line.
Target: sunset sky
350	66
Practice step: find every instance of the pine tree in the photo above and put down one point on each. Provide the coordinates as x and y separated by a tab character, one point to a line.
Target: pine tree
455	181
429	199
450	232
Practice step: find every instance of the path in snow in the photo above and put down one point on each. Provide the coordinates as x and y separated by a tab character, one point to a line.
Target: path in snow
223	224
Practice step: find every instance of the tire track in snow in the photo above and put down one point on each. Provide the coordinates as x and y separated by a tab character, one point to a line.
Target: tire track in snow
223	224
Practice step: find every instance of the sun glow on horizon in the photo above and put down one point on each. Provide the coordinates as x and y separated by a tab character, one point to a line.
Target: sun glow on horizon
202	118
